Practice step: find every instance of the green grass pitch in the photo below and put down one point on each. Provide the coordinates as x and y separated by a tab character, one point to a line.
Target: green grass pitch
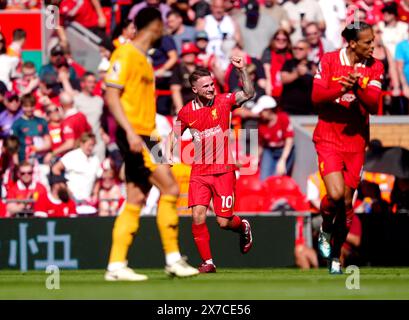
263	284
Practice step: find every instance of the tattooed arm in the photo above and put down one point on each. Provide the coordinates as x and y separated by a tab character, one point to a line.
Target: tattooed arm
248	88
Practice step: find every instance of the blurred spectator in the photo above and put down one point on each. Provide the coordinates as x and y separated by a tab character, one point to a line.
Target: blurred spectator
256	29
54	119
350	248
302	12
123	33
305	256
180	32
8	64
400	196
391	77
92	107
185	10
73	126
369	199
23	4
297	77
29	80
315	190
276	138
109	196
335	15
179	82
56	203
402	62
3	90
8	164
16	46
403	10
273	59
31	131
393	30
204	59
56	73
277	13
11	114
318	44
373	9
22	195
164	58
162	7
86	12
219	27
201	9
81	167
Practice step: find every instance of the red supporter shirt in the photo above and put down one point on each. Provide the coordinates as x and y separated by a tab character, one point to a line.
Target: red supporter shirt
210	127
274	135
55	134
403	11
55	208
343	124
22	192
74	125
81	11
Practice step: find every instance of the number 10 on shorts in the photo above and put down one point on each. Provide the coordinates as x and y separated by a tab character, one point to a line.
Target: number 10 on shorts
227	202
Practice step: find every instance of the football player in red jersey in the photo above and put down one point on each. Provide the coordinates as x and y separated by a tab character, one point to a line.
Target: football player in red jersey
347	88
213	171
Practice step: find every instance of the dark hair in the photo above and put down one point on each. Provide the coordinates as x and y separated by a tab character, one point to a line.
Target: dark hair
275	35
87	136
120	27
146	16
174	12
391	8
197	74
29	65
28	99
352	30
19	34
87	74
3	48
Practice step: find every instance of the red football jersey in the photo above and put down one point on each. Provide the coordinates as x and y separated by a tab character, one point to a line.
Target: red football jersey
56	135
74	125
21	192
344	123
55	208
210	128
274	135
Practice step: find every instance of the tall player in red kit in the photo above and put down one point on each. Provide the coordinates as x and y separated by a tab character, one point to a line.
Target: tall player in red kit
347	88
213	170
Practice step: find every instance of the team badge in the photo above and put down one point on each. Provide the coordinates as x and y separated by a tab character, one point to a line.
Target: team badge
214	114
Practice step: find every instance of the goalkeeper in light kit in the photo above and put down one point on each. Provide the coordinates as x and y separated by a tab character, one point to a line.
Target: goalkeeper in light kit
213	173
347	88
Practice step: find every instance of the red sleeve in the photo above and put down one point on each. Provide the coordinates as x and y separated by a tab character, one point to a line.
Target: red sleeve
288	131
320	90
11	193
86	123
181	124
72	208
370	90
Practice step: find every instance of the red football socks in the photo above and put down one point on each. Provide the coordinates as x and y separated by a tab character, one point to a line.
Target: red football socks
328	211
202	240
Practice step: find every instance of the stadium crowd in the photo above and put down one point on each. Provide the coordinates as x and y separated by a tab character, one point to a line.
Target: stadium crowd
58	151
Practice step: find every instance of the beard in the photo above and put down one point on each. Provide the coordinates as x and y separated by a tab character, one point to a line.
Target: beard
63	195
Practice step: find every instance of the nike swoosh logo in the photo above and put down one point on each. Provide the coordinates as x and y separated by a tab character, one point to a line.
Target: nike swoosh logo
225	210
336	78
192	123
